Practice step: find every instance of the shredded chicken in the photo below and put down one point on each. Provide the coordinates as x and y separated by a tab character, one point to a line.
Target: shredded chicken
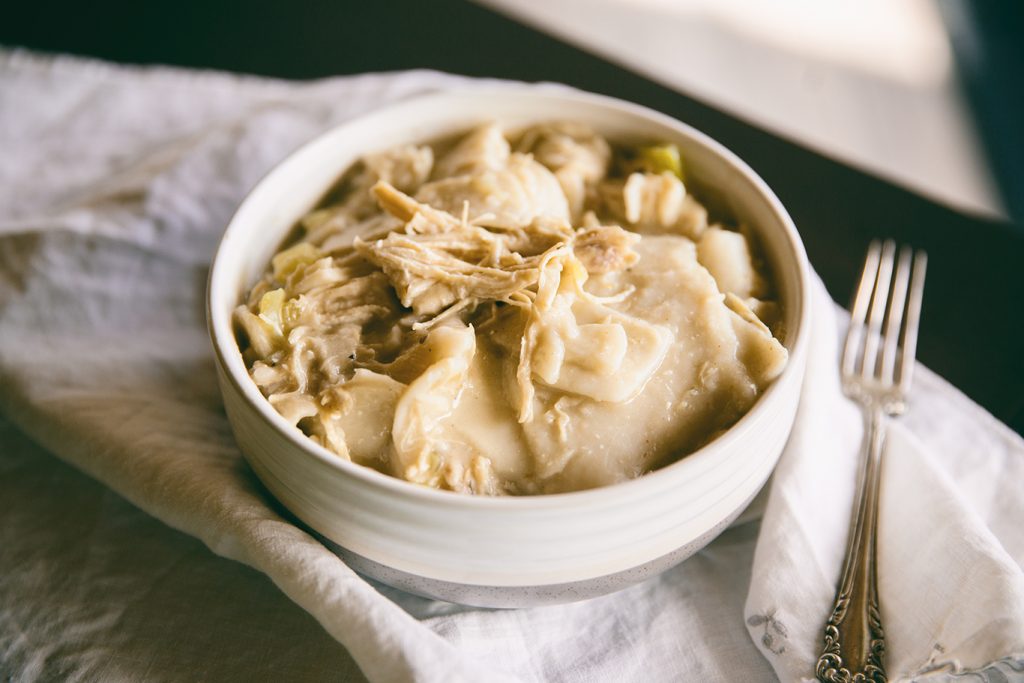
480	322
440	260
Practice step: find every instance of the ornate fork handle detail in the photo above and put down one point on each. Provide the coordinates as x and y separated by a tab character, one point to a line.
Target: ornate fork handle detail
854	639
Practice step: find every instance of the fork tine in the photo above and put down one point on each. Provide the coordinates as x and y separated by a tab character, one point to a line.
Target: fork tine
859	310
878	305
913	321
894	321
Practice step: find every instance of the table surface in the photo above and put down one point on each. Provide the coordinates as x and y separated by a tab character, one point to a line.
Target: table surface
970	321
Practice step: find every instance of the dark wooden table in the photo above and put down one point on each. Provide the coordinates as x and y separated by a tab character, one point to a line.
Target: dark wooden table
971	330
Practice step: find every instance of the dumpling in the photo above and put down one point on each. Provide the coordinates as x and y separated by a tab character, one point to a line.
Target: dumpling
405	167
726	255
761	353
427	449
483	149
586	349
577	156
508	197
357	418
646	200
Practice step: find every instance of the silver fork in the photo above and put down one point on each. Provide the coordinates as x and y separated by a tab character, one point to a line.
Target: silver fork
876	369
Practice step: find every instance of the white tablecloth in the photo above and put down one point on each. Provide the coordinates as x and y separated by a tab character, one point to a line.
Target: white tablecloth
115	184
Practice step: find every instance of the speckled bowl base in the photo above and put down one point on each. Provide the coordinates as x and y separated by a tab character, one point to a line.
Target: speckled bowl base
526	596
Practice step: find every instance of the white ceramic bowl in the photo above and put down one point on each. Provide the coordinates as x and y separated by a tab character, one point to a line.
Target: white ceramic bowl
508	551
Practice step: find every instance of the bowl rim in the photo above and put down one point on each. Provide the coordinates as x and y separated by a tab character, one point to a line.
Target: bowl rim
225	344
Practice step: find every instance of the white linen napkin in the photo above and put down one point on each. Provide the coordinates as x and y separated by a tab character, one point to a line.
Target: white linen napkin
115	184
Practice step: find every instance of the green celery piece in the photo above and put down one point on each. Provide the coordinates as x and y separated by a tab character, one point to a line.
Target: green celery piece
661	158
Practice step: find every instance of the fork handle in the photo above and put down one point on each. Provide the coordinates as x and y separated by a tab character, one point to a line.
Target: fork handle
854	640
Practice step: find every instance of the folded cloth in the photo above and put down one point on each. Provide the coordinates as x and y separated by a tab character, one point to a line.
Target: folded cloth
115	185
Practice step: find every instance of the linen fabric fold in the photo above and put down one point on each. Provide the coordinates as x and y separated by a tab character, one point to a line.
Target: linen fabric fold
115	185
